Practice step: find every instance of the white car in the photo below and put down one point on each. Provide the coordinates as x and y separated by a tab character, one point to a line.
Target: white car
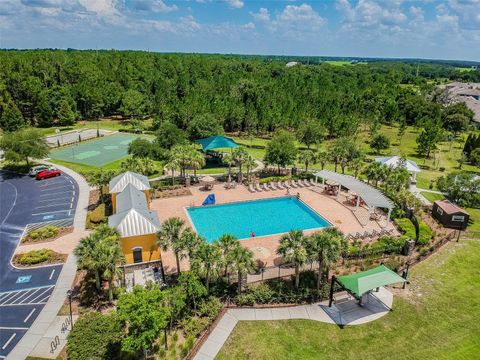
36	169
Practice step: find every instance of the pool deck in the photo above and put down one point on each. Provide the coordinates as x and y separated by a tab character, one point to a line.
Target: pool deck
338	214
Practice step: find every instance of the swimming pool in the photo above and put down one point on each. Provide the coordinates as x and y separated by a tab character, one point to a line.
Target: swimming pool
263	217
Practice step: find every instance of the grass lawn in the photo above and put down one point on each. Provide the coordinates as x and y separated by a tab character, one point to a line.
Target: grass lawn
432	197
436	318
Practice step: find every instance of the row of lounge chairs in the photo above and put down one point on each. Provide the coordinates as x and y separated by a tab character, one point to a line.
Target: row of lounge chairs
280	185
369	234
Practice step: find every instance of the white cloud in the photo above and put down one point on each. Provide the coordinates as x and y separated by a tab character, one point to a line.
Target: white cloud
104	8
249	25
262	15
371	14
293	20
153	5
236	4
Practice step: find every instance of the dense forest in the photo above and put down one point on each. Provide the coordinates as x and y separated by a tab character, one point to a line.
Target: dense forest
53	87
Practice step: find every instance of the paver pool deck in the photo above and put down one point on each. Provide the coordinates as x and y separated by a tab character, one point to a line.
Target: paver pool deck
335	212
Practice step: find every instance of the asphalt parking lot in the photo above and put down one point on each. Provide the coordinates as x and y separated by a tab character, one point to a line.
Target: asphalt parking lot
24	293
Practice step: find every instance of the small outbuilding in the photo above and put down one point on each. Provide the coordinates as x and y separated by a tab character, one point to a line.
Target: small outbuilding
450	215
397	161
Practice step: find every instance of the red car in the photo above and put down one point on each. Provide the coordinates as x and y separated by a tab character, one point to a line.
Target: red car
45	174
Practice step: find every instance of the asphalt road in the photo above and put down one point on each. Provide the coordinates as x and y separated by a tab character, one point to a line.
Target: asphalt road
24	293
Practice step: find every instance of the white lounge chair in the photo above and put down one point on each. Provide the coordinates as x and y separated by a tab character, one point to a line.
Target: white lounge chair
258	187
265	187
306	183
279	185
293	184
299	184
251	189
272	186
313	183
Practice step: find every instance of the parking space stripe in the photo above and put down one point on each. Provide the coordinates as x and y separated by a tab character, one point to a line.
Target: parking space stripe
29	295
36	297
13	297
57	193
51	274
30	288
23	295
51	212
55	199
45	300
12	328
9	341
23	304
51	205
29	315
57	187
4	301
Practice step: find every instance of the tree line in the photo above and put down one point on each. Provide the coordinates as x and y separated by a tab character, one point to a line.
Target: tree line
46	87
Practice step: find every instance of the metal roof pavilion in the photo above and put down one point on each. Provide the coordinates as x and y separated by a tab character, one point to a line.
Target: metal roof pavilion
371	196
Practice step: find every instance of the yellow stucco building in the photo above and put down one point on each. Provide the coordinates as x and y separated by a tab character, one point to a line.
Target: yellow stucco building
133	219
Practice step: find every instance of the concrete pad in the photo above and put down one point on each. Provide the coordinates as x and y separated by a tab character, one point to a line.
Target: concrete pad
263	314
219	335
315	312
227	323
211	348
281	314
243	314
298	312
202	356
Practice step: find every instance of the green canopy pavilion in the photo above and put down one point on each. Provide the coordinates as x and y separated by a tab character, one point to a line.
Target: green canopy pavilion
216	142
365	281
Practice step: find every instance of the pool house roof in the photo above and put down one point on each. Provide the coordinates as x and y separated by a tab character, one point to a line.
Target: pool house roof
371	196
119	182
135	222
131	197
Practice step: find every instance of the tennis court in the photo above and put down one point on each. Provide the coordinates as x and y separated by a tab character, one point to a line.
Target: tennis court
96	152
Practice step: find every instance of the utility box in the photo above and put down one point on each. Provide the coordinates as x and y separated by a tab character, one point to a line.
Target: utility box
408	247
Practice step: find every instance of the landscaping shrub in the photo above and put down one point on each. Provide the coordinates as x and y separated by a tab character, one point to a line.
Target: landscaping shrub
98	215
95	336
426	234
210	308
36	256
194	326
44	233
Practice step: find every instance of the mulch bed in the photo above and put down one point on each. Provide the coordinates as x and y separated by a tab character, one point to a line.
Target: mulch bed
172	193
57	258
63	231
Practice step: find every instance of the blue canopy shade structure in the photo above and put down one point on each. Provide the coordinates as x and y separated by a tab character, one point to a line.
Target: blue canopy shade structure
216	142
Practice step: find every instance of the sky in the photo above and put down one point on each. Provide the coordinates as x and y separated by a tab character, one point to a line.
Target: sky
435	29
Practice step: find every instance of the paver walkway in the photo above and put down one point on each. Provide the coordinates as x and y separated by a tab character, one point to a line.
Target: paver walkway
36	342
347	313
418	194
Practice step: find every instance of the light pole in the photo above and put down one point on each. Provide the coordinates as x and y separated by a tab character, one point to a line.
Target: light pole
69	294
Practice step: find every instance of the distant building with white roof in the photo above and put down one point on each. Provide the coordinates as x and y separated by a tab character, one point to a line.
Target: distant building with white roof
397	161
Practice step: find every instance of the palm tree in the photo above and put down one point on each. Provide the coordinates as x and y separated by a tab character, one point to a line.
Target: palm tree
172	165
325	247
169	237
242	259
112	257
250	164
89	251
86	253
293	249
230	161
240	155
322	158
207	258
227	243
197	161
307	157
190	242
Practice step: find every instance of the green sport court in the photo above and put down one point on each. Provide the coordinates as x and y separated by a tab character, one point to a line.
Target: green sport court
96	152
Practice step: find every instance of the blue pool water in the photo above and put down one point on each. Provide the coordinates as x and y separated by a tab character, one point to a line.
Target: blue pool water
263	217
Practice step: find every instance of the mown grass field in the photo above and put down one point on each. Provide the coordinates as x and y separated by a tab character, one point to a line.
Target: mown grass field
435	318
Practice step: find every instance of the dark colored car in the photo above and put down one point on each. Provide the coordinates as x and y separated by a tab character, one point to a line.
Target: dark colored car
48	174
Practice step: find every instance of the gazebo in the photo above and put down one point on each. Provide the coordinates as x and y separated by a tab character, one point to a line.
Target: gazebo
363	282
217	142
397	161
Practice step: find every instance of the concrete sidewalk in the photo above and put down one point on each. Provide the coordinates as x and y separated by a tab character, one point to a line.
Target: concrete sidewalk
36	342
345	313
